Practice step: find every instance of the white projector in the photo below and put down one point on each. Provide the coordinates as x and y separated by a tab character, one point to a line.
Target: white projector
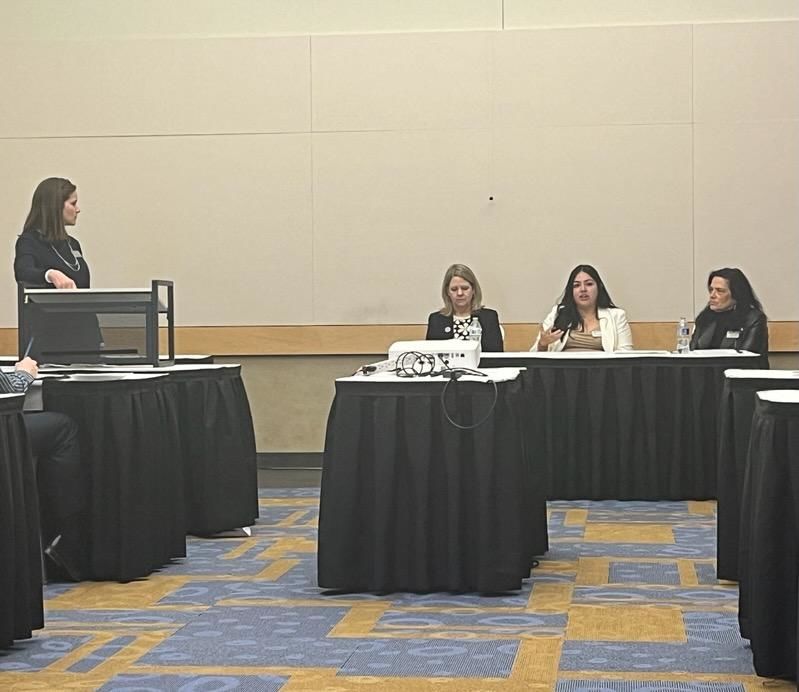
452	353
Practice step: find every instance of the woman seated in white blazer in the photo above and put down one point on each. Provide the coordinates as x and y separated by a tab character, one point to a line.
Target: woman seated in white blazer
585	319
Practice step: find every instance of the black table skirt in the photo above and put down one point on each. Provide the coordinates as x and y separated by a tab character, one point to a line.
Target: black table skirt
21	609
411	503
770	540
217	448
626	428
735	425
129	438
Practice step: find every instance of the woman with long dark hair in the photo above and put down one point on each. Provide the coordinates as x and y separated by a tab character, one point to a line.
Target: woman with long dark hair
734	317
46	256
585	319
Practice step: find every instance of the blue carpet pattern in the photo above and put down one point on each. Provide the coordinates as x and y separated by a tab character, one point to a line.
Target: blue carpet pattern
625	601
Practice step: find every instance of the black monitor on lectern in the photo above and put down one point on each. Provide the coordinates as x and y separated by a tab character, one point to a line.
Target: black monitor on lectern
115	326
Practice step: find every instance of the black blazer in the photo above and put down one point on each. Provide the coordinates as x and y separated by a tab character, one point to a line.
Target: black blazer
440	327
751	326
72	337
34	256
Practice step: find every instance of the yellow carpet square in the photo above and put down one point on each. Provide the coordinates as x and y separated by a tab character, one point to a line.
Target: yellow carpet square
626	623
629	533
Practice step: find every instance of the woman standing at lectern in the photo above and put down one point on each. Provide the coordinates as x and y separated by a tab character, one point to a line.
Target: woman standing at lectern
463	304
585	319
47	256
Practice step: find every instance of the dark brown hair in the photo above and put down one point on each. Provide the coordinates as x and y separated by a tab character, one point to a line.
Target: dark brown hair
47	209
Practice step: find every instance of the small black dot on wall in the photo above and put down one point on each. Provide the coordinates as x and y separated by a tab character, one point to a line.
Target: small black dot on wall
491	199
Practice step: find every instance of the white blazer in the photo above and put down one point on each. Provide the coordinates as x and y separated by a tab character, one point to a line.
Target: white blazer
616	334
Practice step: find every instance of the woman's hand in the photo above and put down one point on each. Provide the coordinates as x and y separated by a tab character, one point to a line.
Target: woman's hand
550	336
59	279
28	365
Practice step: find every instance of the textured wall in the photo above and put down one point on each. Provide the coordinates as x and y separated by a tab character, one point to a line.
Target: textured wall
317	178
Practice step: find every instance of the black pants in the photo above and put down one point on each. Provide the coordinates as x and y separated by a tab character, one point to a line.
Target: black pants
62	481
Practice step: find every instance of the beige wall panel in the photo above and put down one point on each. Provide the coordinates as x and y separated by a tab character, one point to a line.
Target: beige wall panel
290	398
391	211
363	16
543	13
401	82
54	19
228	218
746	72
592	76
155	86
747	209
615	197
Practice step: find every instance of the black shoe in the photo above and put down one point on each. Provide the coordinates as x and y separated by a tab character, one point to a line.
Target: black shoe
60	559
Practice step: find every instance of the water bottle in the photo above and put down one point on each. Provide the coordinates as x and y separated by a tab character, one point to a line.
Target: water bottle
475	330
683	337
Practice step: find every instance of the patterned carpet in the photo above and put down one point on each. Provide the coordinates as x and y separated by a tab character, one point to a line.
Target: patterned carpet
625	601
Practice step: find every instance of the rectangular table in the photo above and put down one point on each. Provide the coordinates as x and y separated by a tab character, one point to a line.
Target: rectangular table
217	441
411	502
129	441
769	557
210	474
625	426
735	425
21	607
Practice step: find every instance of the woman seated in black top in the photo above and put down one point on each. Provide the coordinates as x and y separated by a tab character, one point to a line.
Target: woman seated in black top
463	303
733	317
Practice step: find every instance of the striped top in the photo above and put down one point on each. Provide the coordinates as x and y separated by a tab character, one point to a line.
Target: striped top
16	382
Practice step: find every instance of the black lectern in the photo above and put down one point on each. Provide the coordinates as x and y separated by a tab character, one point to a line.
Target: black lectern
119	326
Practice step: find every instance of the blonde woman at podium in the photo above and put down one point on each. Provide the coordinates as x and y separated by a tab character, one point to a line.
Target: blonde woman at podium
463	309
46	256
585	319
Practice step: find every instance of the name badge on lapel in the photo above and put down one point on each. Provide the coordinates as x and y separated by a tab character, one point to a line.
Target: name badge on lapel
734	334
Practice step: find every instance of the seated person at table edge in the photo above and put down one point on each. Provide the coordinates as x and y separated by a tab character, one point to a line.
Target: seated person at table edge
463	303
59	477
585	319
733	317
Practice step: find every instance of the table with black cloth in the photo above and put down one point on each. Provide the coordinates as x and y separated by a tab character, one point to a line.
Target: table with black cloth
735	425
625	426
130	441
21	608
768	570
410	502
217	442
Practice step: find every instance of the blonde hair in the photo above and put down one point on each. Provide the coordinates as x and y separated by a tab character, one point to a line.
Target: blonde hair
463	272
